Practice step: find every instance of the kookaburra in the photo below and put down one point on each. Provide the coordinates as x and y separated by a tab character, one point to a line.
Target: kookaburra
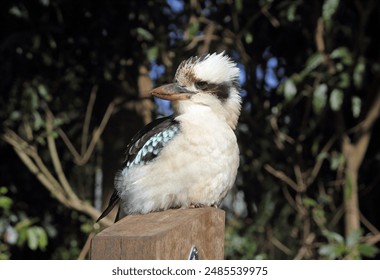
188	159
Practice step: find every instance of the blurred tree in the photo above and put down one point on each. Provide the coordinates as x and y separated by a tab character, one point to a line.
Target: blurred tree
75	87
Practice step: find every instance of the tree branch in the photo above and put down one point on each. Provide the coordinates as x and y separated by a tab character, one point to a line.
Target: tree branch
282	176
87	119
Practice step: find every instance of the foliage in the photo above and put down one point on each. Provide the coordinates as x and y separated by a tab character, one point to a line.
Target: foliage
75	81
18	230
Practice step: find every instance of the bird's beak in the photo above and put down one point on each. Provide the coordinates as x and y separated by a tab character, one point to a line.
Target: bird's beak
172	92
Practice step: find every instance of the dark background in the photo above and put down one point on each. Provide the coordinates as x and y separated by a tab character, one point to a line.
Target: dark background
75	79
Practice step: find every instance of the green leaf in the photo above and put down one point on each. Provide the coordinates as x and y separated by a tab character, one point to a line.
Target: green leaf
32	97
336	160
42	90
15	116
248	38
339	52
336	99
342	53
314	61
344	80
32	238
328	10
153	53
320	98
327	251
333	236
239	5
290	89
3	190
38	121
42	238
5	202
22	236
291	12
309	202
359	73
356	106
319	213
367	250
353	238
86	227
37	238
322	155
193	28
145	34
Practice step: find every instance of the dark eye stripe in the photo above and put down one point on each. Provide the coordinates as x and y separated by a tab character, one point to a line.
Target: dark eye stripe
220	90
201	85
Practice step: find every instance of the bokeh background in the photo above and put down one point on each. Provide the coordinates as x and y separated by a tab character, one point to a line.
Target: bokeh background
75	79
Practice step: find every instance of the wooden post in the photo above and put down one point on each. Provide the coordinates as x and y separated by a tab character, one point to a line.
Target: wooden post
167	235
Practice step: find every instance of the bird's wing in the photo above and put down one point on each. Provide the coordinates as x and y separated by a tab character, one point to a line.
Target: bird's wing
149	141
147	136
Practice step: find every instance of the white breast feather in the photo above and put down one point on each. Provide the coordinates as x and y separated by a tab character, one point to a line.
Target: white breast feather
199	166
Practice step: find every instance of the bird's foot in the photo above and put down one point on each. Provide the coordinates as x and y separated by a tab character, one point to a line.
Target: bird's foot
197	205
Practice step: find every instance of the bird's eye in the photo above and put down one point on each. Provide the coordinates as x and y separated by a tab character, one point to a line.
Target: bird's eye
201	85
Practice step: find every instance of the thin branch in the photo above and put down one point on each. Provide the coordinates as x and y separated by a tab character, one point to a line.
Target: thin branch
265	11
372	240
372	115
289	198
299	177
29	156
319	41
282	176
368	224
282	247
20	149
81	159
305	247
87	119
55	159
318	164
69	145
86	247
97	133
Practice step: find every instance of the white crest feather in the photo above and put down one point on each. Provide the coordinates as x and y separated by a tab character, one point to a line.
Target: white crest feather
216	68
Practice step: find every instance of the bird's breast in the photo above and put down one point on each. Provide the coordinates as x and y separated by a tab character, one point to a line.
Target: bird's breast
197	166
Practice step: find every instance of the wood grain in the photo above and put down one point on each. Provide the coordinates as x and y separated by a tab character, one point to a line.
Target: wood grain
167	235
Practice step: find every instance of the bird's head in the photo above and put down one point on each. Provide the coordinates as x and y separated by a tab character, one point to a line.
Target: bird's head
211	80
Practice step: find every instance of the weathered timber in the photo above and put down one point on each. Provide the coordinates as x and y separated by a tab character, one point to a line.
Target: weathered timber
167	235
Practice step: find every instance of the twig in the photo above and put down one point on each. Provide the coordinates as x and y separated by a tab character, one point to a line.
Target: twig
86	248
300	181
372	240
318	164
319	42
81	159
305	247
289	198
29	156
282	247
282	176
69	145
55	158
275	22
97	133
368	224
48	181
86	125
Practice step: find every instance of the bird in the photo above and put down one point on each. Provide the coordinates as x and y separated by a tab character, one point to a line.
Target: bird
190	158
